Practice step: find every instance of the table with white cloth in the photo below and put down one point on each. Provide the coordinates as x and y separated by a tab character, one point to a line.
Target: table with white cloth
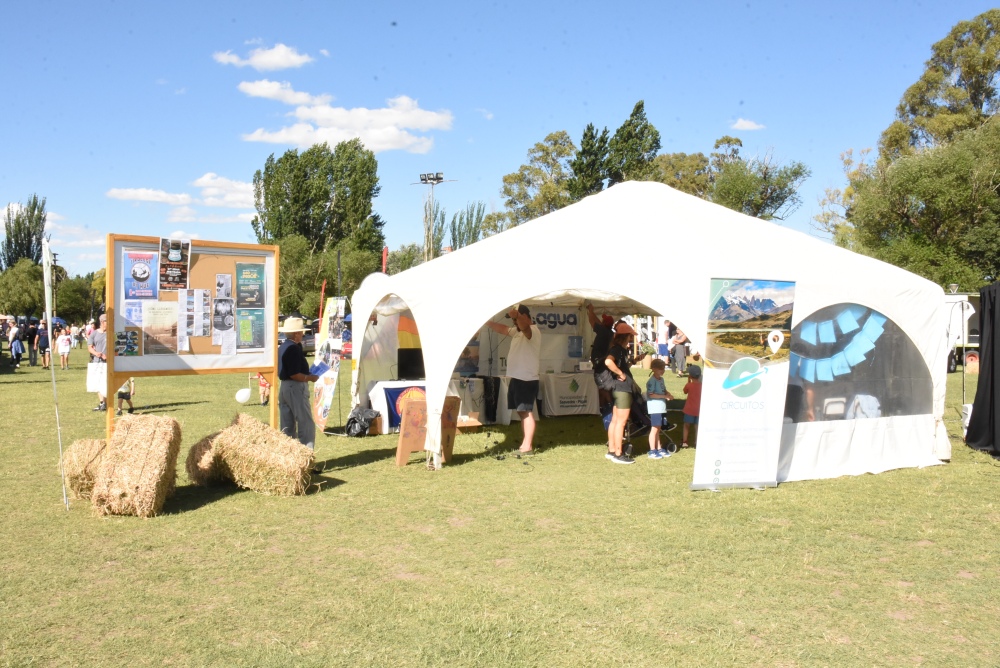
569	394
377	398
470	391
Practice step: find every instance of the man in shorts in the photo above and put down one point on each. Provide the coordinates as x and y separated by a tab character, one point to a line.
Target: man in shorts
522	367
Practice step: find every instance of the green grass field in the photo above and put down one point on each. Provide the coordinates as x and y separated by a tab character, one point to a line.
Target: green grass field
561	560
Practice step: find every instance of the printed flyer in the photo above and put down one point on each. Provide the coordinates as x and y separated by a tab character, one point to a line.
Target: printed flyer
175	261
250	327
140	269
159	328
250	291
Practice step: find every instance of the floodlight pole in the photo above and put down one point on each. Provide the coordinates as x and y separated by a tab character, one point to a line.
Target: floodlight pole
430	179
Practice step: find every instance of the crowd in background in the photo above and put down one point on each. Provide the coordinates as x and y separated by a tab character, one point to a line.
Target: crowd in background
33	342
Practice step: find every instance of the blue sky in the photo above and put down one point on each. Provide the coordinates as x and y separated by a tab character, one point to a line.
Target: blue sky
151	118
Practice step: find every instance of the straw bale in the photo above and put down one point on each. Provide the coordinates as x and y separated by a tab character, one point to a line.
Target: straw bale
80	463
139	470
203	464
262	459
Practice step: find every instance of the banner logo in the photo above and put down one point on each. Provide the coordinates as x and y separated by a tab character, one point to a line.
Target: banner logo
742	380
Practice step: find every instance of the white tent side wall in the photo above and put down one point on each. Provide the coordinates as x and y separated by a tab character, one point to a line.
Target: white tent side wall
591	245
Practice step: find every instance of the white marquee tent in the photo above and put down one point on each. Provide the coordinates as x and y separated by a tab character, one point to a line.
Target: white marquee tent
617	249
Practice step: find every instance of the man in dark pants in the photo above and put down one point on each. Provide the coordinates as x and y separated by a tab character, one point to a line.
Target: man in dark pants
32	334
294	405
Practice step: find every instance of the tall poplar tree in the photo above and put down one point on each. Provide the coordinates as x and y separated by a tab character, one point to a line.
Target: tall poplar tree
24	229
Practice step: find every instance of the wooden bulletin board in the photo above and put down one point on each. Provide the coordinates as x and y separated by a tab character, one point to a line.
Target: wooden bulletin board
207	260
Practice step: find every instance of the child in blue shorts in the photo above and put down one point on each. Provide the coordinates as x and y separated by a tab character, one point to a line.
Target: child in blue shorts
656	404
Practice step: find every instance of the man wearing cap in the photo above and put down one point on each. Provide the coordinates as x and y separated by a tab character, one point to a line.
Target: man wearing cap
97	346
522	367
294	409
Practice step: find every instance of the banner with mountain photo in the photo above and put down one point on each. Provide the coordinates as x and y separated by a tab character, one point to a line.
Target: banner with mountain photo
743	383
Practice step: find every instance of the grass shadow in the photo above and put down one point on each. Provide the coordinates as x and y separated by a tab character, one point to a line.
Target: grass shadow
323	483
193	497
357	459
495	443
151	407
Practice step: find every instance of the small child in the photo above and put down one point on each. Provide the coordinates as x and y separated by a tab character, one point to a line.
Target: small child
125	393
692	407
63	344
656	403
263	389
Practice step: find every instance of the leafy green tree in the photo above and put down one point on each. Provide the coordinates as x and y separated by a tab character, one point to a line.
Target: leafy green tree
935	212
956	92
22	291
589	165
406	257
302	272
758	186
73	298
835	205
24	229
98	290
687	172
321	195
495	222
467	225
433	229
632	149
540	186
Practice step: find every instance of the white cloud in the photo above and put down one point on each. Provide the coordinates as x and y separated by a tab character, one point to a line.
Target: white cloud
91	256
219	191
381	129
325	52
72	236
181	234
744	124
487	114
280	57
281	91
182	214
185	214
149	195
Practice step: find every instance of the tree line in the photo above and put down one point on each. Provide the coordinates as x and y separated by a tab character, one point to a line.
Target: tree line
928	200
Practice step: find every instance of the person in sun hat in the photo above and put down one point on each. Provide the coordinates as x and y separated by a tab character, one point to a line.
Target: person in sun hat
294	408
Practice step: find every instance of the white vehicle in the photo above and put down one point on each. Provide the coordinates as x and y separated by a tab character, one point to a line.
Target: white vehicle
963	329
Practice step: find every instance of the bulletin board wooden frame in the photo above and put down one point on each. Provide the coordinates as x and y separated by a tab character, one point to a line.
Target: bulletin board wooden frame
208	258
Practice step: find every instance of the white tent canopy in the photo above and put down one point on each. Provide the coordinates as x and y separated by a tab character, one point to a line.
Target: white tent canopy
615	249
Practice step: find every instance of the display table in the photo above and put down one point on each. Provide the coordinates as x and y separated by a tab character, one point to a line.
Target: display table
470	391
379	399
569	394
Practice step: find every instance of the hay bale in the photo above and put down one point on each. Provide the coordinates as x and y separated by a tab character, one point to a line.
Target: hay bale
80	463
262	459
203	465
139	470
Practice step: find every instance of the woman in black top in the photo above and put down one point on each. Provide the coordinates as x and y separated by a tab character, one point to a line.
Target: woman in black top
618	364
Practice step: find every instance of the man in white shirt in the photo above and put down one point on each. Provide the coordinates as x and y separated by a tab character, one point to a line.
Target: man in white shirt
522	367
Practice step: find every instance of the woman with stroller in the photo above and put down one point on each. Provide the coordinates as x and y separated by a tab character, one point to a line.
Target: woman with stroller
619	365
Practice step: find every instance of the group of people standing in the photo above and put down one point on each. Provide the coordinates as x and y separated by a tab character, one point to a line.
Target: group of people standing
612	360
35	341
